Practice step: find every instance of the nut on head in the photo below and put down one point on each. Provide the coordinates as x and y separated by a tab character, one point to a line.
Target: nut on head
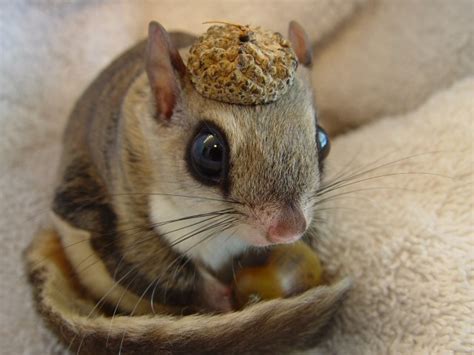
241	65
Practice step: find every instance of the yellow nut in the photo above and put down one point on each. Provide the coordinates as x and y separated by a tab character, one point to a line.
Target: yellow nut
289	270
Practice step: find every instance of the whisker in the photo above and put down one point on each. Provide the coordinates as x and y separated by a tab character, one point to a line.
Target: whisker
120	281
221	224
176	195
346	167
328	198
102	300
117	283
155	282
190	235
349	182
364	171
150	235
139	228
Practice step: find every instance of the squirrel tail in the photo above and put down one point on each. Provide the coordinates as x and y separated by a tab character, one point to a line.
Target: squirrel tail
275	326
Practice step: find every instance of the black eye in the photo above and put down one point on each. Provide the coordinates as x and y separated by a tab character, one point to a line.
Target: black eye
207	156
323	143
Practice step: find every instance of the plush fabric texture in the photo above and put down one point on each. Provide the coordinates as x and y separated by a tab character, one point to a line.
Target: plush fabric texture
391	58
405	231
406	241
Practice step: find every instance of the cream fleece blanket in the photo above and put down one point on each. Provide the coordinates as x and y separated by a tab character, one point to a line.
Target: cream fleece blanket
407	239
405	230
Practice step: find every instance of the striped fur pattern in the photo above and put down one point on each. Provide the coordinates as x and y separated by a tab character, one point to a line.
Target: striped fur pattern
124	174
282	325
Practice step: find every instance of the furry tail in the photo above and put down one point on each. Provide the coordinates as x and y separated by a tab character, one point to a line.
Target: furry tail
275	326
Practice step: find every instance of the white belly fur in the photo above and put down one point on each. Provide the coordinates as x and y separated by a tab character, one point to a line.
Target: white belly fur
214	252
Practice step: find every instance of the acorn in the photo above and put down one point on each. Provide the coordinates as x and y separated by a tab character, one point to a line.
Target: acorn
289	270
241	64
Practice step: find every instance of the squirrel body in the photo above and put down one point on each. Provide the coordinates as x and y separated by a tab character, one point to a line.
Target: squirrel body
160	209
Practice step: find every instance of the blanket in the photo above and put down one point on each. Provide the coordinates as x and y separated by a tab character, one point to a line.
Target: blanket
406	237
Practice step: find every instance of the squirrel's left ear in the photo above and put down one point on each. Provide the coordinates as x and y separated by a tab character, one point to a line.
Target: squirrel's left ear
300	43
165	69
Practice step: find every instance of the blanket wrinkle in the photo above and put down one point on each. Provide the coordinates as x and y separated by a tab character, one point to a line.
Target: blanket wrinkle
387	61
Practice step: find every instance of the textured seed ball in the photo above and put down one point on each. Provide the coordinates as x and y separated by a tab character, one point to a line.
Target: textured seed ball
289	270
242	65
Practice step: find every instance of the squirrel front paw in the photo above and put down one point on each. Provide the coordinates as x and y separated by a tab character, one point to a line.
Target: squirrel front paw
215	296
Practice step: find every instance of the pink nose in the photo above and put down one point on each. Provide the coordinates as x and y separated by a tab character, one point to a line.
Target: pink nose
287	227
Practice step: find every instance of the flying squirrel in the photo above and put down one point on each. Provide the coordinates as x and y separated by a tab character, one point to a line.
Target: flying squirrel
167	185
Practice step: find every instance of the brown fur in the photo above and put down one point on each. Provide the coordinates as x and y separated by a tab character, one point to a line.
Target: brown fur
92	170
118	152
281	325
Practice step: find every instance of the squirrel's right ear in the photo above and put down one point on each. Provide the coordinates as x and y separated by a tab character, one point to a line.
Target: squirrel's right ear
300	43
164	68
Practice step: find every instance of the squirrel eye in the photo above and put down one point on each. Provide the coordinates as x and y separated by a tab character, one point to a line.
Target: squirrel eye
207	156
324	146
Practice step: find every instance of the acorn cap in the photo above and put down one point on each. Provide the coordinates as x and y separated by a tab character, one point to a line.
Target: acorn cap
241	64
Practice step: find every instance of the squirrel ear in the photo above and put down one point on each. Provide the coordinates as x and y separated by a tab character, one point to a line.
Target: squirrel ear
164	68
300	43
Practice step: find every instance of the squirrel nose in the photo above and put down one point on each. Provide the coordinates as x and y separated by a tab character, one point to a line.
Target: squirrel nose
287	226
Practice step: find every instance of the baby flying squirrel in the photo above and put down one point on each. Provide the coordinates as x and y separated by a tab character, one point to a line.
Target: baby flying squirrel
160	187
